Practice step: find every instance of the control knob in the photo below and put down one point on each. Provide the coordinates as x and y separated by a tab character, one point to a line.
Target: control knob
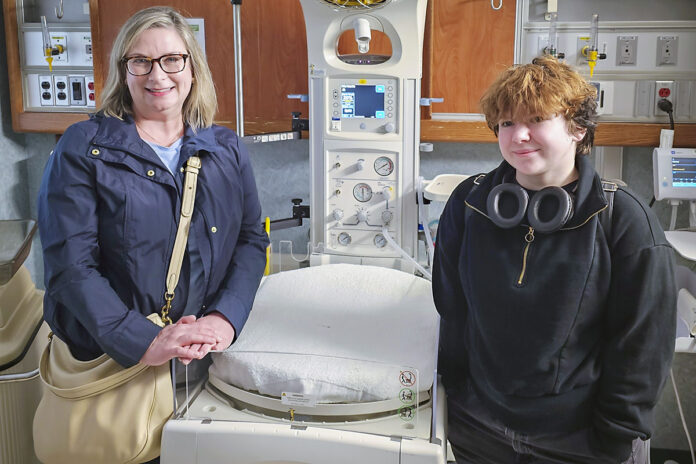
338	214
387	192
362	216
387	217
389	127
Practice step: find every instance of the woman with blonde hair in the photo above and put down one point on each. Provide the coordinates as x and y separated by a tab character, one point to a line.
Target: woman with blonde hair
110	203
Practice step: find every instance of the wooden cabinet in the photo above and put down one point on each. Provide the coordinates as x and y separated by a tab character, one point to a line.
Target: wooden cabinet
471	45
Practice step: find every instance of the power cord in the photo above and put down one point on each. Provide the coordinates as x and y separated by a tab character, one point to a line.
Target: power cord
681	415
666	106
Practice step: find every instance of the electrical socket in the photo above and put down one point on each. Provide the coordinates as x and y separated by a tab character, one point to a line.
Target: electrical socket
46	91
60	85
664	90
627	46
667	47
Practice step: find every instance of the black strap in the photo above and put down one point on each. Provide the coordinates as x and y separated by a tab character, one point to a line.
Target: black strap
605	217
477	181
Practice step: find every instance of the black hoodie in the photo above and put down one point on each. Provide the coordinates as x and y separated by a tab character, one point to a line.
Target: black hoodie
562	331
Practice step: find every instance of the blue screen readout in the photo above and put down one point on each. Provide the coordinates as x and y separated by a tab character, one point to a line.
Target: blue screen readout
683	172
362	101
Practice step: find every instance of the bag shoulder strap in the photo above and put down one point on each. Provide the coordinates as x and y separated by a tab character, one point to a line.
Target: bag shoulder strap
606	216
477	182
193	166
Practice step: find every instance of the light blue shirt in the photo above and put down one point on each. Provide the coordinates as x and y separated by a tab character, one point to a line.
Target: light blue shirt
170	157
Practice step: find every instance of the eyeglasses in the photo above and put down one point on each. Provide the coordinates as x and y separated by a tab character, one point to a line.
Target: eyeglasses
142	65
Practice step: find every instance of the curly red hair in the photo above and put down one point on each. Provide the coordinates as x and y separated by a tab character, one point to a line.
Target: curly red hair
545	87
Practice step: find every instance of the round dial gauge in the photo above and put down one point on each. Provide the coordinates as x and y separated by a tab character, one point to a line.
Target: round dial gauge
362	192
384	166
344	238
380	241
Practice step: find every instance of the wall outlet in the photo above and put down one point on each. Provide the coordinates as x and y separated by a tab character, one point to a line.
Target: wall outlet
667	47
60	84
664	90
46	90
89	89
627	47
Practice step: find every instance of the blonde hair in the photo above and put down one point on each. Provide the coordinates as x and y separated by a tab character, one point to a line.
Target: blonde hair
200	105
544	87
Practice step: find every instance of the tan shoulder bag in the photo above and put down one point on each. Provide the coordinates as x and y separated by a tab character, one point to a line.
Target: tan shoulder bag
96	411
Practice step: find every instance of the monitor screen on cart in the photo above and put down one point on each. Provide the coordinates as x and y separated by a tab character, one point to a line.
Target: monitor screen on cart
362	101
683	172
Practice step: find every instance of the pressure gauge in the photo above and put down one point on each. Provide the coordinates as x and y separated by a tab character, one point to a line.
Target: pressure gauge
344	238
384	166
362	192
380	241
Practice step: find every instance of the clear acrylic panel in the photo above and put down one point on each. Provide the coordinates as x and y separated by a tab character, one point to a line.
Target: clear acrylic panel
74	11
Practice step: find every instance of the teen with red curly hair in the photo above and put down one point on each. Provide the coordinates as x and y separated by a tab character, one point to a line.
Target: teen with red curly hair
556	290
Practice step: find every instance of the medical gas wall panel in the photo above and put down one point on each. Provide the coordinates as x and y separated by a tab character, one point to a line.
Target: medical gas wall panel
647	49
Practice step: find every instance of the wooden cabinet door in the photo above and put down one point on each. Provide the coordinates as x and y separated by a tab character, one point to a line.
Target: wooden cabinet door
470	44
274	54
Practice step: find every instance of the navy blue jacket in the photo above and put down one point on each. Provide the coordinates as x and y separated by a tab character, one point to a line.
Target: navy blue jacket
569	330
108	215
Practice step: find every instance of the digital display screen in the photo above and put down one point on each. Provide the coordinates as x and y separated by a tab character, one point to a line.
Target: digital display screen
362	101
683	172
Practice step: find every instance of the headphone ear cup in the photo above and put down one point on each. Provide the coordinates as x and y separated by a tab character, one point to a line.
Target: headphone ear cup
563	214
493	204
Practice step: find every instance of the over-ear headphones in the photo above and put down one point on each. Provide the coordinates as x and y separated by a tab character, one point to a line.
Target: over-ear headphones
553	199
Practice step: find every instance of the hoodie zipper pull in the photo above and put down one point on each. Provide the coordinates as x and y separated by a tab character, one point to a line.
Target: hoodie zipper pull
529	238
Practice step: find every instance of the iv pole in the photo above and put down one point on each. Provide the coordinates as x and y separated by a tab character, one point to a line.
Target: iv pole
239	95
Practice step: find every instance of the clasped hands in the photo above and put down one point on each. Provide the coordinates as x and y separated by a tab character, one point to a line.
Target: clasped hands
189	338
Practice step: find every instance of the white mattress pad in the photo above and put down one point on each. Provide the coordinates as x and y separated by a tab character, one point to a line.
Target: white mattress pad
337	333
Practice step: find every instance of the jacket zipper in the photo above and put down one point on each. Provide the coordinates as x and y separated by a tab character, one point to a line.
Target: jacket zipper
529	238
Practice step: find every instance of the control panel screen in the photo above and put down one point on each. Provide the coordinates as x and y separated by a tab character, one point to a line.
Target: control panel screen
683	172
362	101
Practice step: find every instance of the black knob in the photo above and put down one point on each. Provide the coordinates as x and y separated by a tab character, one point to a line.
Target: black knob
561	56
296	201
602	56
